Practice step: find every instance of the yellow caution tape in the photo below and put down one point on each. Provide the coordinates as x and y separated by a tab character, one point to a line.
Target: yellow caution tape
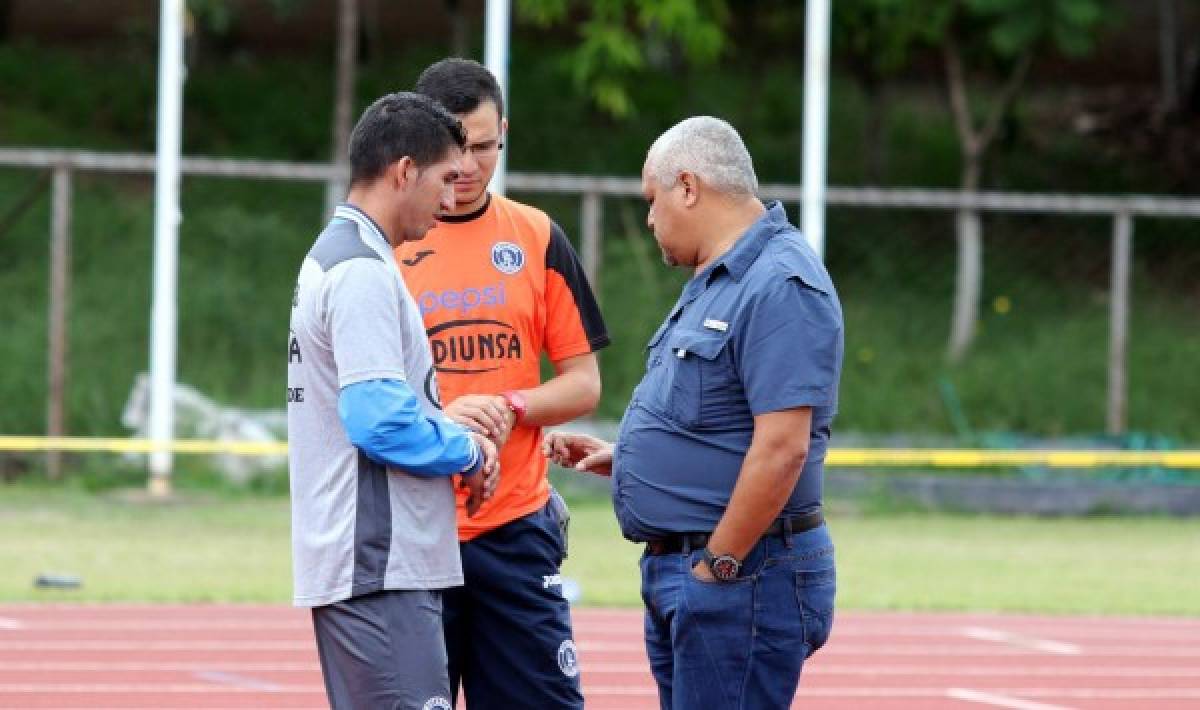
141	446
935	458
981	458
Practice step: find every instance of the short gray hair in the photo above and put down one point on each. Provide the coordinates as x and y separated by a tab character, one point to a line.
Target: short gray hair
707	147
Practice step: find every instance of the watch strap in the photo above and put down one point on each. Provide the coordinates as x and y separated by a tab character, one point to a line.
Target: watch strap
725	568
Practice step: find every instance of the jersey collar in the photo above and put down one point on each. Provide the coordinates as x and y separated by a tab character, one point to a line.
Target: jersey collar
460	218
362	219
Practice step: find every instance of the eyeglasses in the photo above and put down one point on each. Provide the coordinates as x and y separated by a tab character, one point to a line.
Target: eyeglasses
484	149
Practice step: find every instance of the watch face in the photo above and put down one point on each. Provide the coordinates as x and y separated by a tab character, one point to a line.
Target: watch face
725	568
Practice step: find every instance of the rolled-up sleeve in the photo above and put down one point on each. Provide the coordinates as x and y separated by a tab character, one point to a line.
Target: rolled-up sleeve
789	351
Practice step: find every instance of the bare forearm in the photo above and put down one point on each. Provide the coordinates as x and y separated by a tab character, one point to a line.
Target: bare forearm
763	488
568	396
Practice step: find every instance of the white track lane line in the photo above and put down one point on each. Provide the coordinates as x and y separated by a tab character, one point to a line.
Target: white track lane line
1000	701
170	625
7	624
216	646
164	666
594	668
1081	633
233	680
634	650
983	633
1014	695
1050	671
150	689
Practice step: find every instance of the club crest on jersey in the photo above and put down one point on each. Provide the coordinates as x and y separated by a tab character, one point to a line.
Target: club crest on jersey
507	257
431	388
437	703
568	659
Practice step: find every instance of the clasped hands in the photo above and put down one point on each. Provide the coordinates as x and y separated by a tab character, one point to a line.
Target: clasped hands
490	421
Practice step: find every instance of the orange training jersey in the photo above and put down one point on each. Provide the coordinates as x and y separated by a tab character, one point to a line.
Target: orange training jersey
497	288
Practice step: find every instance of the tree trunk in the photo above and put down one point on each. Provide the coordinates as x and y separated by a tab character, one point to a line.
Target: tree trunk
874	129
1191	92
459	44
343	101
5	18
875	146
968	230
968	286
968	281
372	31
1168	56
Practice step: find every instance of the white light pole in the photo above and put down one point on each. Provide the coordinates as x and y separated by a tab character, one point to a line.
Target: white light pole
166	242
495	53
816	122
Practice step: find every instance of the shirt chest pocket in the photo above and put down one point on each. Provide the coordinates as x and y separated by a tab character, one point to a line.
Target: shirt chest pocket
702	388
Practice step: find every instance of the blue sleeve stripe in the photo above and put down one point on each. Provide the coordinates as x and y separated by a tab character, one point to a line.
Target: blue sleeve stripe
476	462
384	419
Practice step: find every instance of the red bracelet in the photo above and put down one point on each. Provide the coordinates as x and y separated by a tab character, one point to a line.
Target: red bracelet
516	402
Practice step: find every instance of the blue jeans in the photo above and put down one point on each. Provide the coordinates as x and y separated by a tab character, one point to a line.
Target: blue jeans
738	645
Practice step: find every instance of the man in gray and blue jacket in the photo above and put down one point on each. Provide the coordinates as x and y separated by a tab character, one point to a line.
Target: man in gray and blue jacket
371	456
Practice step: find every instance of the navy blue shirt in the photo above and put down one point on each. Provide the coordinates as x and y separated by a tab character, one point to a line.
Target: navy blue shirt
758	331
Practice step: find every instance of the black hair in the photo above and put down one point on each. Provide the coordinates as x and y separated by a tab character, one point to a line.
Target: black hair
460	85
399	125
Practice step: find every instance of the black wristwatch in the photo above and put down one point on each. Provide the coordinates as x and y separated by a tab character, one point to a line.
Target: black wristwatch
724	567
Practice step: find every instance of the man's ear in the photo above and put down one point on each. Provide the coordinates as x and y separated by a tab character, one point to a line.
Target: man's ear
402	173
691	188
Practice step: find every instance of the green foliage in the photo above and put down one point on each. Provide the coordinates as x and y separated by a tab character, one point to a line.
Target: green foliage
241	242
218	16
215	16
881	35
66	102
885	33
615	37
1015	26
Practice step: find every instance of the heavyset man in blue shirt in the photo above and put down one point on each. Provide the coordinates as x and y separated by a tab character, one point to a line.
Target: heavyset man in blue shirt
718	462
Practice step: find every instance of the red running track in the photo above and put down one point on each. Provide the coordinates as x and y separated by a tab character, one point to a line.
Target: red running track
166	657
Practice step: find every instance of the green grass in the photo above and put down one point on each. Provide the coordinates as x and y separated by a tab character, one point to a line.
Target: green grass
218	546
200	550
1094	565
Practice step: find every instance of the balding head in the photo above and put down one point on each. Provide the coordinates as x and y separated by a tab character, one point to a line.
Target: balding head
710	149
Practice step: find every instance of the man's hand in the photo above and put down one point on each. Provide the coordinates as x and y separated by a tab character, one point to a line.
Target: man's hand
486	414
482	485
579	451
701	572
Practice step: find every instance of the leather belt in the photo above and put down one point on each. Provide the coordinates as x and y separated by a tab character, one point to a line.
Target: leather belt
686	542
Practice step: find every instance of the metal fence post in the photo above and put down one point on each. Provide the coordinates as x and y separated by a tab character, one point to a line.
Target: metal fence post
60	287
592	219
1118	329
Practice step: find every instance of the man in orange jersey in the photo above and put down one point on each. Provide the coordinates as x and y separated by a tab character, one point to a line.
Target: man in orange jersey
498	285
